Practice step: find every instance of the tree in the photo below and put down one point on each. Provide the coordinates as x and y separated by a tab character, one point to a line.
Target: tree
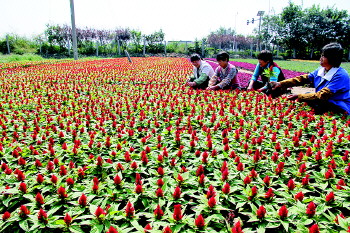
155	41
222	38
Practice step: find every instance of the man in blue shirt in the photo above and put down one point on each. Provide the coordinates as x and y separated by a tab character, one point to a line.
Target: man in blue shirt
332	83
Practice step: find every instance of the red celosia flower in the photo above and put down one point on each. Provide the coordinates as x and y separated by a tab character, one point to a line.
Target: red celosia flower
200	170
179	178
260	213
20	175
237	228
70	181
302	168
117	180
63	170
160	182
6	216
240	167
177	193
247	180
177	215
23	187
283	212
54	179
299	196
211	192
314	229
23	211
129	210
269	194
42	216
311	209
224	175
199	221
212	202
39	199
305	180
148	227
40	178
253	192
226	188
100	213
167	229
158	212
291	184
201	179
330	197
160	171
62	192
67	219
329	174
267	180
133	165
82	200
112	230
138	189
159	192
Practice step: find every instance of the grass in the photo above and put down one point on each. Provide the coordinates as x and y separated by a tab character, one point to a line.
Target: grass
17	58
296	65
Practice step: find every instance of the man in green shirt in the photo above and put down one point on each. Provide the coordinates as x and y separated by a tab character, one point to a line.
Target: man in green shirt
202	72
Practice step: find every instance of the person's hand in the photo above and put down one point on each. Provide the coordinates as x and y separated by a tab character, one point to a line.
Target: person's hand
213	88
292	97
191	84
250	86
275	85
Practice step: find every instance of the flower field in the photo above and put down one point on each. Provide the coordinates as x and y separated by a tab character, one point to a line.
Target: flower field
109	146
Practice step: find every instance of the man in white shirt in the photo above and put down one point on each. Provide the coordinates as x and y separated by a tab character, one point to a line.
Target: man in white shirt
202	72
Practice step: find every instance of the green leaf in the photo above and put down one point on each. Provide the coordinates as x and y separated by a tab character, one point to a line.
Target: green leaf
97	228
135	224
24	225
285	224
76	229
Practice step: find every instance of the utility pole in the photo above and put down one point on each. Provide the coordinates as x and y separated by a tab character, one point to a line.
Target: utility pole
260	14
74	31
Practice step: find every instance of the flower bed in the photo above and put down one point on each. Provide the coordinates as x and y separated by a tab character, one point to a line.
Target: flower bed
97	146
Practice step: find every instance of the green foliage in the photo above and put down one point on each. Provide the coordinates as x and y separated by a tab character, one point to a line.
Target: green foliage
18	45
16	57
304	32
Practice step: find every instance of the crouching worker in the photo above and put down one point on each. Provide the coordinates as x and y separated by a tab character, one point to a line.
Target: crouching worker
332	83
202	72
268	70
225	76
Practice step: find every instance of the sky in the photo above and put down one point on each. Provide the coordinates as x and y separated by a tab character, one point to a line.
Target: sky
184	20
